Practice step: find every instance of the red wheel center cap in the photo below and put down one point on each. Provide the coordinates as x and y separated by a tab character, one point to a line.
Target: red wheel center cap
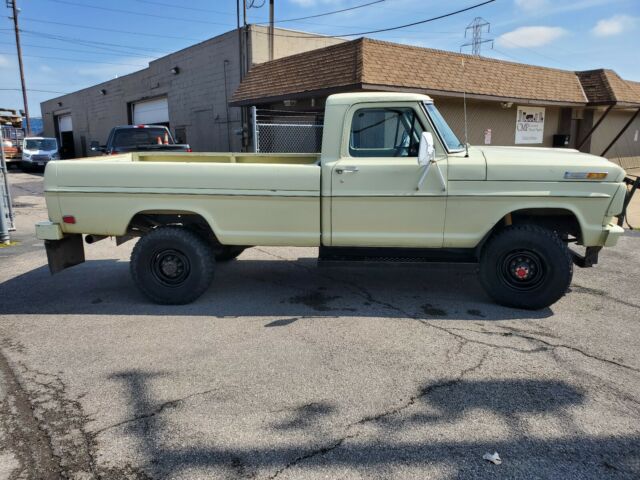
522	272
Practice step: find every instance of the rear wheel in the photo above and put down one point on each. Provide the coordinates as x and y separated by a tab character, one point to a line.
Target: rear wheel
172	265
526	266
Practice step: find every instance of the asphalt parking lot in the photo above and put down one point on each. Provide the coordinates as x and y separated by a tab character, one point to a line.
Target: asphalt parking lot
289	371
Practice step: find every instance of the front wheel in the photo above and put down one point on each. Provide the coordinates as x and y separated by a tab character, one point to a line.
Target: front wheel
172	265
526	266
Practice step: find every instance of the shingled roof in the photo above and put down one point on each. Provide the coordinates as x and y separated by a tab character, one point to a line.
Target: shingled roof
373	64
606	86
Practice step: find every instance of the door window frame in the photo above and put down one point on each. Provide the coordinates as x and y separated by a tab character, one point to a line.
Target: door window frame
420	114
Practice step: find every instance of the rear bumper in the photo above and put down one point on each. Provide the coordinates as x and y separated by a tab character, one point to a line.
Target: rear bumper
49	231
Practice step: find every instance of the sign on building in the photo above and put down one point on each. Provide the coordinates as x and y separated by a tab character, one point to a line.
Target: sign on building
529	124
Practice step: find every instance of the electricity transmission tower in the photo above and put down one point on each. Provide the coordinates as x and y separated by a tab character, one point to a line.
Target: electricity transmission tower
477	27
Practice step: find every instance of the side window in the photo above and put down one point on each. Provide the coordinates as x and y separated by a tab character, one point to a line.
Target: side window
385	132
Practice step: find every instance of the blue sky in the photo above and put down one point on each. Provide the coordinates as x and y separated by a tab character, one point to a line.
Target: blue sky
569	34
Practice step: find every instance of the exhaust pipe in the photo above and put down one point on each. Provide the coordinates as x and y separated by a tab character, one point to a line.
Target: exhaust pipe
90	239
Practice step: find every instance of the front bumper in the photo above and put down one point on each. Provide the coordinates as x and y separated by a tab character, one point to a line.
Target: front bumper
37	161
612	233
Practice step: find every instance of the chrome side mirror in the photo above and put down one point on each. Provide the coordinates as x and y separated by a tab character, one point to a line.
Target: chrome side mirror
427	158
427	150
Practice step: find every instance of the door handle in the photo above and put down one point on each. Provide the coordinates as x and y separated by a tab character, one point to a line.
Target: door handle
341	170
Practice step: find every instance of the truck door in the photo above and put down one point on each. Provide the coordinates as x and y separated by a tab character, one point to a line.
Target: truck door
374	196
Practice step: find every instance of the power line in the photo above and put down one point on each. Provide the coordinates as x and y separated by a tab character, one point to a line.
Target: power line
330	13
155	35
502	39
75	50
31	90
182	7
388	29
77	60
146	15
88	42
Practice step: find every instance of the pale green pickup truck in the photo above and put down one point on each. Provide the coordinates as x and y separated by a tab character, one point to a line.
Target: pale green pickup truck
393	182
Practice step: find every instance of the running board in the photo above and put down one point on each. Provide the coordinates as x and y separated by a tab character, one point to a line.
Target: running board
331	255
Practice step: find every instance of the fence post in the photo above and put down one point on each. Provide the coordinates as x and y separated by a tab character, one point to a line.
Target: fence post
254	126
5	200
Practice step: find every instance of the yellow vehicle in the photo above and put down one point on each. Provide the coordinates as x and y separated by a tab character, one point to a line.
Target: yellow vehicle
392	181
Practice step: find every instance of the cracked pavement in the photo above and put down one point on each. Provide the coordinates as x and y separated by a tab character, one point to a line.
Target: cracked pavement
287	370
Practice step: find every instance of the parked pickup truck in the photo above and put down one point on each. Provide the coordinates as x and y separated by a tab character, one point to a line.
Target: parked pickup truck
392	182
139	138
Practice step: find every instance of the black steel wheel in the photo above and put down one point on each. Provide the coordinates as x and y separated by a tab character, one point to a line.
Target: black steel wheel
172	265
526	266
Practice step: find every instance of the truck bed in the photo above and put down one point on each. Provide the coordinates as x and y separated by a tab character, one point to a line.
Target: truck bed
248	199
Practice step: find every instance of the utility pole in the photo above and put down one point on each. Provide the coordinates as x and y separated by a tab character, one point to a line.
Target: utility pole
476	28
14	7
271	29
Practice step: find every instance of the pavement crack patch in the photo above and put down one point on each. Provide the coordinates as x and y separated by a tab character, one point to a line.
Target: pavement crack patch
568	347
27	439
313	453
377	417
601	293
156	411
46	429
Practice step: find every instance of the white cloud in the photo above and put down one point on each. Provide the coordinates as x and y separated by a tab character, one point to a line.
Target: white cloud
613	25
531	5
5	61
530	37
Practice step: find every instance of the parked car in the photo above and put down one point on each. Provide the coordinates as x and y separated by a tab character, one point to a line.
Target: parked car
139	138
392	182
38	151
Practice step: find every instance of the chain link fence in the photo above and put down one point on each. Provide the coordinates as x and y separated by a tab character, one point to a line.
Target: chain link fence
287	131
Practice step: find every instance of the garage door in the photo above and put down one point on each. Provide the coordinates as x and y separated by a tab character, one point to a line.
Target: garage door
64	123
151	112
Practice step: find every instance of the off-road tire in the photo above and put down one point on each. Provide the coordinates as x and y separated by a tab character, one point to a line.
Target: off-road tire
526	250
225	253
172	265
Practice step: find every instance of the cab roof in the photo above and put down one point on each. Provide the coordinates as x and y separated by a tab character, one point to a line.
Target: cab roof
360	97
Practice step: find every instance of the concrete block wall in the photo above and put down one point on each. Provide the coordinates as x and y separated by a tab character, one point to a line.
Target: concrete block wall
196	97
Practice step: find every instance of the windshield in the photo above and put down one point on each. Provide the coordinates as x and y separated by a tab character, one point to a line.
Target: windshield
447	135
42	144
131	137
